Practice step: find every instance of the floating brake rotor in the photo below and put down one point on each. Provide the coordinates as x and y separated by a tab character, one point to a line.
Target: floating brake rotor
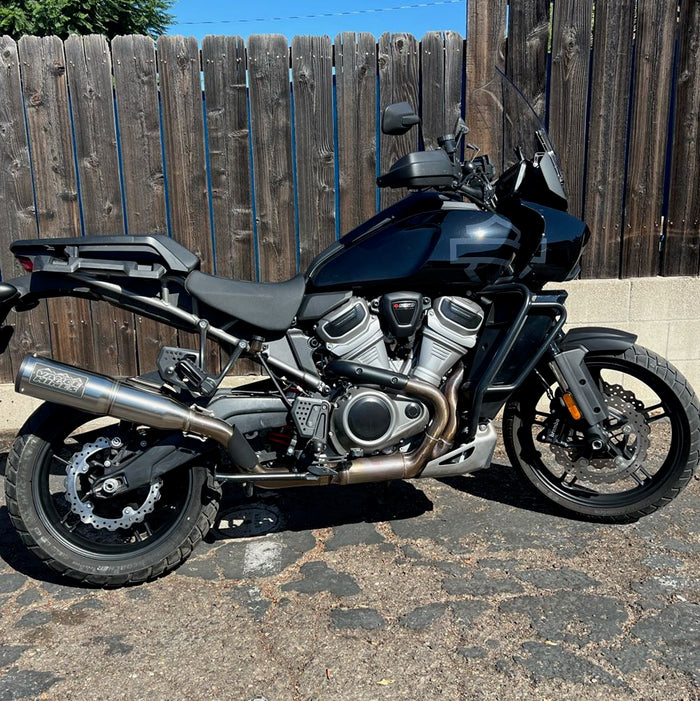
77	466
629	432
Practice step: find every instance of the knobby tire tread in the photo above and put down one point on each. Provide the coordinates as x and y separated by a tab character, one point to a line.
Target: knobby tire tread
205	521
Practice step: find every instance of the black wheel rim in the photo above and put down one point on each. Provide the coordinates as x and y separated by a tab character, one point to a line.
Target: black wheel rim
664	407
85	540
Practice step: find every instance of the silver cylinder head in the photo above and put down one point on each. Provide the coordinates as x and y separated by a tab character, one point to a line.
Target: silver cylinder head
451	329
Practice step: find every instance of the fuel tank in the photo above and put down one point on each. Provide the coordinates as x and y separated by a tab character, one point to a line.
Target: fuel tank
425	241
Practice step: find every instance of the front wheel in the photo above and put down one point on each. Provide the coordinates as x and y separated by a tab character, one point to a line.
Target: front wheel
653	429
56	458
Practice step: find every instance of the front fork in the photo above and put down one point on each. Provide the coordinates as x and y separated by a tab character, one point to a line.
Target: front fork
581	395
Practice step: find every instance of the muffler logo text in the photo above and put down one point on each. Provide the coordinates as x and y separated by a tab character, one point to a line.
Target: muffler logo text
61	381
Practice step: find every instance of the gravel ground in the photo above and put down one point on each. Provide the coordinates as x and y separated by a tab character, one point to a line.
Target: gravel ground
466	588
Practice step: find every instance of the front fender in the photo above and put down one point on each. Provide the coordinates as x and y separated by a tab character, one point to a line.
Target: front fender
598	339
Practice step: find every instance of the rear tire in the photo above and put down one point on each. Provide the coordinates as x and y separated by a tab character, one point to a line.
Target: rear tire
35	494
608	496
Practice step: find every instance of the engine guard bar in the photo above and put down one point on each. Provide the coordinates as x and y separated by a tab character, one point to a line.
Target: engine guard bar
486	383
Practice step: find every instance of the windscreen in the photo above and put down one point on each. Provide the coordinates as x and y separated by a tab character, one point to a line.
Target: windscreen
500	119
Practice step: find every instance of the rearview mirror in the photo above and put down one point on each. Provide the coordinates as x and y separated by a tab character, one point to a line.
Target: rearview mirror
398	118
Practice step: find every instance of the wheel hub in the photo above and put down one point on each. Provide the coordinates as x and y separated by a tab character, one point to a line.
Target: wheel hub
79	465
629	434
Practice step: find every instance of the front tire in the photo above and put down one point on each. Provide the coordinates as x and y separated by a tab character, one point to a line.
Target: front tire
648	399
36	488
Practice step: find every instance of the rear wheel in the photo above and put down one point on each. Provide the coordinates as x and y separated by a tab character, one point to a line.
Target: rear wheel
654	438
96	539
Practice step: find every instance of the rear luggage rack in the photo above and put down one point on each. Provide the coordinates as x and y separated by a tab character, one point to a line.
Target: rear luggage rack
110	256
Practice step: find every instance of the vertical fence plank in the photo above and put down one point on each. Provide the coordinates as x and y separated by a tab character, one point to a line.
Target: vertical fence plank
224	65
271	121
399	78
223	60
656	26
571	44
138	112
183	131
92	102
17	215
136	90
526	56
442	60
185	158
607	138
43	72
312	79
526	66
486	31
682	247
356	99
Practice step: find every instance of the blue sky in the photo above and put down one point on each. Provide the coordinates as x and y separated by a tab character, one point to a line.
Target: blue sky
199	18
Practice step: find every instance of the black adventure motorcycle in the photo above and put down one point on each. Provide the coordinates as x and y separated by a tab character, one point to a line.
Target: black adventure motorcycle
389	358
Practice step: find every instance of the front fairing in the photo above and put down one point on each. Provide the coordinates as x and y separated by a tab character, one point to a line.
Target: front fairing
553	245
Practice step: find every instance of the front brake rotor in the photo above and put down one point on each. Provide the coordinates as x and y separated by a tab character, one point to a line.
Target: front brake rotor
78	465
630	434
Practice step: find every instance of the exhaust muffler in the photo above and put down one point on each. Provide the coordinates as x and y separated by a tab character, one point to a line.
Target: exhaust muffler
55	382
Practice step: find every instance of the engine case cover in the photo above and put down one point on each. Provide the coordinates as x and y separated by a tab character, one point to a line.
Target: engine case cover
369	420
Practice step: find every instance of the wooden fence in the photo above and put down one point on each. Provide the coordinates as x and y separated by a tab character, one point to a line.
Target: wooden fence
256	156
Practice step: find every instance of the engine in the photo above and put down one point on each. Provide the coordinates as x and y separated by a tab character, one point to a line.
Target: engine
401	332
450	326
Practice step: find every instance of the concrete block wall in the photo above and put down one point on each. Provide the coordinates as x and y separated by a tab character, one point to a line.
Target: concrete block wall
664	312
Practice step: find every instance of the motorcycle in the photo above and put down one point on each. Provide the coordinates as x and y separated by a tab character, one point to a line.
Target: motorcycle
389	358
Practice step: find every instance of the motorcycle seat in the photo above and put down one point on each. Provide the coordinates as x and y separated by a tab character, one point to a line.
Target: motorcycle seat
267	305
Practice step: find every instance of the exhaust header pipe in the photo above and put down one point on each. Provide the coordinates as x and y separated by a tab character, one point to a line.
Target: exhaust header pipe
96	394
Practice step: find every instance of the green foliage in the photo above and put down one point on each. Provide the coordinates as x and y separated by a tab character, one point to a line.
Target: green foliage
64	17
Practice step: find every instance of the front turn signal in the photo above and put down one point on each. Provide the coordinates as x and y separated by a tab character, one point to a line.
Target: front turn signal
571	406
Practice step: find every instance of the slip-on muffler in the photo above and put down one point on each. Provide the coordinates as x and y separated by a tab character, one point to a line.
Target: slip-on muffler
55	382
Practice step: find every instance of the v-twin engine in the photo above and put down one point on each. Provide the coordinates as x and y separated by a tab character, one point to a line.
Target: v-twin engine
442	335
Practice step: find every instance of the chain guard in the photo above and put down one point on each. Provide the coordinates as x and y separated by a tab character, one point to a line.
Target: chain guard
78	465
627	409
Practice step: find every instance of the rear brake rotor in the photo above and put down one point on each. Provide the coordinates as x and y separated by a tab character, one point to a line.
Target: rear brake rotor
79	465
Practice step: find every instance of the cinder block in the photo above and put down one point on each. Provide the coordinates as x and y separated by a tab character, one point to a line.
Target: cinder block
684	339
665	298
650	334
598	301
